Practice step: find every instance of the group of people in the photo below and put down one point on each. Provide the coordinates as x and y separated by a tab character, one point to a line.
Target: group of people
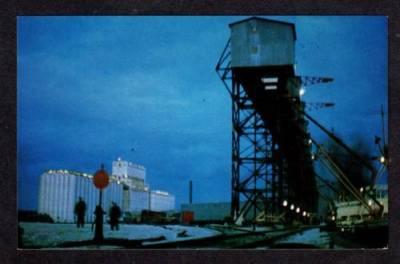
114	213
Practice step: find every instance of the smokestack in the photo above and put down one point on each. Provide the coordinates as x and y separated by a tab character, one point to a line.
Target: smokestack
190	192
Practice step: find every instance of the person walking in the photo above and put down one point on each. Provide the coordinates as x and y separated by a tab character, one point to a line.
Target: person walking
115	214
80	209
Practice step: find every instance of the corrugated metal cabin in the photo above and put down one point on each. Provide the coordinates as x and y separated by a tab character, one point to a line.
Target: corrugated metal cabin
259	42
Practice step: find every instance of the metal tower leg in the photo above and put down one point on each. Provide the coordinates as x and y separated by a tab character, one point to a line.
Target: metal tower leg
257	181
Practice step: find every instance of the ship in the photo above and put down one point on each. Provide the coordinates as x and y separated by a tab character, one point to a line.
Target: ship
361	220
364	225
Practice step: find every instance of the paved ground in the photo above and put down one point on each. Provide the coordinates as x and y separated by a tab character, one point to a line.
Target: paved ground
45	235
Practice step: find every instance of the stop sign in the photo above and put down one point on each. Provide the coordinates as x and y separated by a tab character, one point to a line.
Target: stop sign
100	179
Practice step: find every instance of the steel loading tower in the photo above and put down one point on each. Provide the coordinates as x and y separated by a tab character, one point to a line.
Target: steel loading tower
271	148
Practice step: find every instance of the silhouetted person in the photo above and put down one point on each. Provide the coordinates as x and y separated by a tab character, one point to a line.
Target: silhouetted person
80	209
115	214
98	221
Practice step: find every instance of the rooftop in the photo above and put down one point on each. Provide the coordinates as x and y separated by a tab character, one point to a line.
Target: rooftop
266	20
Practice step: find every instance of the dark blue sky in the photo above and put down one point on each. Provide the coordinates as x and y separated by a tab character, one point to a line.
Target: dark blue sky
92	88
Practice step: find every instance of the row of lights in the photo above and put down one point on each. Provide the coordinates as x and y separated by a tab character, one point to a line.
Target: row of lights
293	207
367	188
309	143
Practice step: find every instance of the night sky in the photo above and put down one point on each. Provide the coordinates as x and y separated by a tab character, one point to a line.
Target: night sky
91	89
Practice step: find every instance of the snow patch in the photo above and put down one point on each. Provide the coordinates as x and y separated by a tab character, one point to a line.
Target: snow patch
45	235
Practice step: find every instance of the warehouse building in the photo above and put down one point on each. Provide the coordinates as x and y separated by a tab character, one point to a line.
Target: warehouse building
208	211
59	190
220	211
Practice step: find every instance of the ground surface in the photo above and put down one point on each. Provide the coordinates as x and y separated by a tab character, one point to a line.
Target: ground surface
44	235
58	236
312	237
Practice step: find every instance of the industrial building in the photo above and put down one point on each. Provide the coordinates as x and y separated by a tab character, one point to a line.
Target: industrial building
271	146
208	211
59	190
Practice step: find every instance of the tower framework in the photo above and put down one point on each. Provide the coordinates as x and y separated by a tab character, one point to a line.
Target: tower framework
271	149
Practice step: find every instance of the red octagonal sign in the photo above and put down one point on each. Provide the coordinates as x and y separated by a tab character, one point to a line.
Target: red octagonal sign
101	179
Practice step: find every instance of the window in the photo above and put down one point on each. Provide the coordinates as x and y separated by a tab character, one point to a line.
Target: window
269	79
270	87
355	217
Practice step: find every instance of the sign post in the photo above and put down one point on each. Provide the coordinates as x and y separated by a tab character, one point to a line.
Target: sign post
100	181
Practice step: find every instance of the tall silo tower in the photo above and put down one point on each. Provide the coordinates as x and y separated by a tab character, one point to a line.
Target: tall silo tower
271	156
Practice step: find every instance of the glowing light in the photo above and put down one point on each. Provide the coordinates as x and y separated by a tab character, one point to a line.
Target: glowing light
269	80
370	202
298	210
118	182
313	157
292	207
285	203
302	91
310	141
333	218
270	87
308	214
304	213
361	189
342	229
382	159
